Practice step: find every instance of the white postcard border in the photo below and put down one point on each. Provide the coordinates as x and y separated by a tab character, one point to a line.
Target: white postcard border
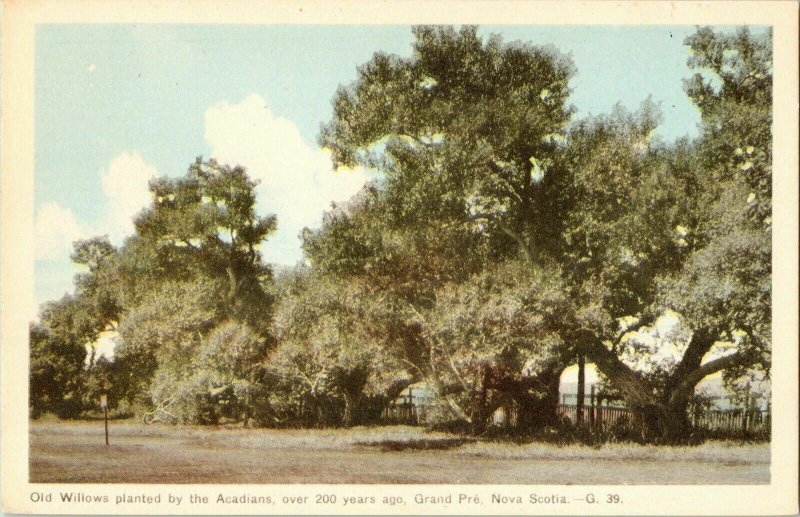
16	249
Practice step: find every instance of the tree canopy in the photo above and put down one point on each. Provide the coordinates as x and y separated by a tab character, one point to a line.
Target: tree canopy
500	241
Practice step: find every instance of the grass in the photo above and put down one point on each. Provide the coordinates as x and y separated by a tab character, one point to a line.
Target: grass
75	452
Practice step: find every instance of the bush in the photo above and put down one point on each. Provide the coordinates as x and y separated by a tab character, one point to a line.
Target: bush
186	401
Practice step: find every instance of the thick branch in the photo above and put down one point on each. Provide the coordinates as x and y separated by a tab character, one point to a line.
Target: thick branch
621	376
701	342
685	388
643	321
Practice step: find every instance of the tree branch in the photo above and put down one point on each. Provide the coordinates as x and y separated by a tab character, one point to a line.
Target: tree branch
642	322
701	342
686	386
623	377
507	230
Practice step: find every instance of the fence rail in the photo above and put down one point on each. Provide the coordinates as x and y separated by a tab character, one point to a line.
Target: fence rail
411	414
755	422
751	423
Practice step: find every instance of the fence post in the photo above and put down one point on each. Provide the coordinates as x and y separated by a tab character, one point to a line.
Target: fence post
746	415
602	414
755	419
591	408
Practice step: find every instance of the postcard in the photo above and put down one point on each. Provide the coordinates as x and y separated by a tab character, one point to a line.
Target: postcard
399	257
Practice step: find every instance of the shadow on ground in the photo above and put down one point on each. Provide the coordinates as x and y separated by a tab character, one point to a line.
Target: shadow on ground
419	445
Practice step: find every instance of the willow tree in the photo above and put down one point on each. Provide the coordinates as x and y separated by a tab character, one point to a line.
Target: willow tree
630	204
724	289
205	224
699	243
463	134
332	355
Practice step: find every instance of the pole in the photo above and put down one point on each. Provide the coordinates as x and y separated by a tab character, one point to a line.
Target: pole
591	409
581	388
105	412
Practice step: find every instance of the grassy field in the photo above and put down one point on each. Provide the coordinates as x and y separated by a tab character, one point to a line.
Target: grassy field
75	452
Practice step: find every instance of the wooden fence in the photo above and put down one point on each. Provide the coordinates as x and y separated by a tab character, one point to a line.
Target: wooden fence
755	423
410	414
734	423
739	423
597	417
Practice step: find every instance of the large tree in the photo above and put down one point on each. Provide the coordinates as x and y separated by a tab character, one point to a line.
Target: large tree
192	263
464	135
630	202
718	275
205	224
497	339
68	327
724	289
471	142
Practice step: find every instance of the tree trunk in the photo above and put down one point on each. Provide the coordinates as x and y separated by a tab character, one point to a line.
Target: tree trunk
481	410
438	387
233	285
676	426
247	404
347	418
536	398
663	419
637	391
352	389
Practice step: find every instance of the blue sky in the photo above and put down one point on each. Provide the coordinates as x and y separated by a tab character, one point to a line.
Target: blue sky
117	104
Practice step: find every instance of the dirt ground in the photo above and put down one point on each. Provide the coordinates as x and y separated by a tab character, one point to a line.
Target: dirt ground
75	452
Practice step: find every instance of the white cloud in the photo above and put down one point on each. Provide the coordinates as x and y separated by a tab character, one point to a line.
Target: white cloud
124	184
56	230
297	181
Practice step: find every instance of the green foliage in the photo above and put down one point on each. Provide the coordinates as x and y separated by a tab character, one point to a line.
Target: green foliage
508	317
627	215
163	334
497	243
734	94
205	224
232	359
56	373
463	133
726	282
333	345
496	337
192	263
97	288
